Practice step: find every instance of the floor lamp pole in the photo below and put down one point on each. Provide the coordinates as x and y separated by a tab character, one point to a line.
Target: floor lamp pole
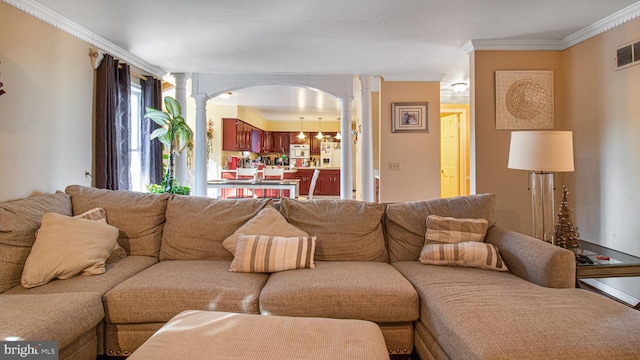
542	189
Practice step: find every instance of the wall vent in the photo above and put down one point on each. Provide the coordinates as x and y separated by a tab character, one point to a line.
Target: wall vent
628	55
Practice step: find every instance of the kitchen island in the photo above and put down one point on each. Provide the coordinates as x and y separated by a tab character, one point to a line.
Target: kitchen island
328	183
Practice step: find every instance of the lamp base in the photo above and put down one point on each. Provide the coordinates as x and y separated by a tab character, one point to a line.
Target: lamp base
542	205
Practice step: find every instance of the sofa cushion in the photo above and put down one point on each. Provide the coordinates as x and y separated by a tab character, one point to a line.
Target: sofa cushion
51	317
534	322
269	221
365	290
406	223
138	216
67	246
118	270
267	254
169	287
196	227
99	214
444	229
19	221
346	230
466	253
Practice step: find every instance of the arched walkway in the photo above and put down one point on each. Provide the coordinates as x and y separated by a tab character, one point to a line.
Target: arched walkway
206	86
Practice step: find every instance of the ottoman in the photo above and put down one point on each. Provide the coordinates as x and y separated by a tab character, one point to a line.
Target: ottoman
196	334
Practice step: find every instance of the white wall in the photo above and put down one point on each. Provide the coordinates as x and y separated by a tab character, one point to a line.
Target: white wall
46	114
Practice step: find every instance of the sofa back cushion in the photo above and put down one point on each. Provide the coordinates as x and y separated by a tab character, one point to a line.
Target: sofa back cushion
139	216
19	221
406	223
196	226
345	230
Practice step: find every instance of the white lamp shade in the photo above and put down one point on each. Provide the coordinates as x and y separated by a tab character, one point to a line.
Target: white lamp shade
541	151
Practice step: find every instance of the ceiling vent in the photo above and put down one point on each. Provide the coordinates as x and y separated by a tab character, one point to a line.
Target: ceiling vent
628	55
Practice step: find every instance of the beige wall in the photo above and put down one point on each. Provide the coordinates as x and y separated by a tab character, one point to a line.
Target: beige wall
417	153
603	110
375	127
513	200
46	114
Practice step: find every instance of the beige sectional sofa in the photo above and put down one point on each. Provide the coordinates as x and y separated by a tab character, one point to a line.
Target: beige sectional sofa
366	267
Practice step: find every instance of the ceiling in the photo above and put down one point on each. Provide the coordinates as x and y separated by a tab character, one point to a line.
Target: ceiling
417	40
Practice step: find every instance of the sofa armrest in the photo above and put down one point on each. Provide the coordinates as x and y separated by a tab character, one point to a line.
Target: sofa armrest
534	260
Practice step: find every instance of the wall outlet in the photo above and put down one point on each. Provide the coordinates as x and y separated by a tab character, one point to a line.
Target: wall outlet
394	166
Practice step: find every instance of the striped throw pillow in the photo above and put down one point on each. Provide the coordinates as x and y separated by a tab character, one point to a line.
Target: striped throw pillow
266	254
467	254
442	229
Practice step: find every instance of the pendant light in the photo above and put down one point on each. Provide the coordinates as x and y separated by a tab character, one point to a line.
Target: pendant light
319	136
338	135
301	135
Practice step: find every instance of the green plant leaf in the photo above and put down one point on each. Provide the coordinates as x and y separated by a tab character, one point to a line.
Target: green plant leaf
159	117
158	133
172	106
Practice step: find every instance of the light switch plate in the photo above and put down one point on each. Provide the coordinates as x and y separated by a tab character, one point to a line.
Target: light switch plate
395	166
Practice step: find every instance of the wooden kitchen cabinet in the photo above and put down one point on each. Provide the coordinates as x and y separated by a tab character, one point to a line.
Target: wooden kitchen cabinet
305	175
281	142
328	183
295	140
236	135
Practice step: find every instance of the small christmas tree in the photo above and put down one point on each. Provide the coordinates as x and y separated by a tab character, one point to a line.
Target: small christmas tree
566	235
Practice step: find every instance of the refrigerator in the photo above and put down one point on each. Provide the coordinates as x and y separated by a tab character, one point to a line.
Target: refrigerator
330	154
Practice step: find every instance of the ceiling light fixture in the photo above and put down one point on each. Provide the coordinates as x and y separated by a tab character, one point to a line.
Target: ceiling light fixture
301	135
459	87
225	95
319	136
338	135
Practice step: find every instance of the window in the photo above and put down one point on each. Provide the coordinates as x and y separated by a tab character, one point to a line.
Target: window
138	181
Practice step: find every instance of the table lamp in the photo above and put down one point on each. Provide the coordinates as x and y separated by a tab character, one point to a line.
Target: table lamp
542	153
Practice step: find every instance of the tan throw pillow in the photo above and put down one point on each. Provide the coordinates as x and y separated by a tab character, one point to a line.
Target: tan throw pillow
67	246
266	254
269	221
452	230
99	214
467	254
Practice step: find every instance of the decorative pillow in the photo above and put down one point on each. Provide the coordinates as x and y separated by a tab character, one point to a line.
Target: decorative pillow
269	221
99	214
266	254
452	230
67	246
467	254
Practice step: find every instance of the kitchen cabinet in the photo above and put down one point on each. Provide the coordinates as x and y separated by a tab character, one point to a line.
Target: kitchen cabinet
257	141
236	135
295	140
281	142
314	148
305	175
328	183
268	141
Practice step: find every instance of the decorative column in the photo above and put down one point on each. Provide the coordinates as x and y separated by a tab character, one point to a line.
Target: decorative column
346	166
200	164
181	170
366	154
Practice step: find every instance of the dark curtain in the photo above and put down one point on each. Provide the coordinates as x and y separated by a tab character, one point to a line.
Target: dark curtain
113	119
151	149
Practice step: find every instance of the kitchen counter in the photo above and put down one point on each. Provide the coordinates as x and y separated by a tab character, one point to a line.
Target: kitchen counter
316	167
286	170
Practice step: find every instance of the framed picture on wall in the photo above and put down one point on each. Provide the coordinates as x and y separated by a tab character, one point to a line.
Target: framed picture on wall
410	117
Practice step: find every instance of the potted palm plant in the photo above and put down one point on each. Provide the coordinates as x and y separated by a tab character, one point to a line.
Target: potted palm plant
175	134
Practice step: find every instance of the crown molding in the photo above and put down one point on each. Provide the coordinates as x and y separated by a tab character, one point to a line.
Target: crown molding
56	20
616	19
511	44
627	14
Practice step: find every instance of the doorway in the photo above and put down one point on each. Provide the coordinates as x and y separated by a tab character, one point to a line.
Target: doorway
454	150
